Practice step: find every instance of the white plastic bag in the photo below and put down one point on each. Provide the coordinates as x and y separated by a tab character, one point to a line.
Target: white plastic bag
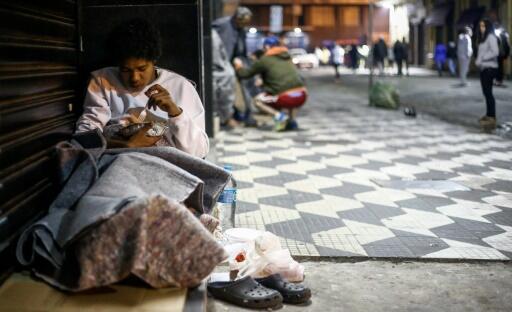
264	257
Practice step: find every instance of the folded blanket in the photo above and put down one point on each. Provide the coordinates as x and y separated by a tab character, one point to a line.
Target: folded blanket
100	184
156	239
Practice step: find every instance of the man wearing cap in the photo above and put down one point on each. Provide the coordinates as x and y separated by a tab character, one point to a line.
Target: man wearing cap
280	79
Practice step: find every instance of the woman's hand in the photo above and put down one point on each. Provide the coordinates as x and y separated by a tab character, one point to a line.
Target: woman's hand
159	97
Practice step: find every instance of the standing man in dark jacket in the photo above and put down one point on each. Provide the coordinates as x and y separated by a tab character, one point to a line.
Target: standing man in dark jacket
504	42
380	53
451	57
231	30
280	76
400	55
354	57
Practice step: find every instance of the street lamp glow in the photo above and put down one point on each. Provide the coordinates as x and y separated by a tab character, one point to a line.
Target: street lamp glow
297	30
253	30
385	4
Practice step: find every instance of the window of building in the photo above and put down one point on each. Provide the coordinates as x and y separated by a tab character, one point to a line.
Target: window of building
321	16
349	16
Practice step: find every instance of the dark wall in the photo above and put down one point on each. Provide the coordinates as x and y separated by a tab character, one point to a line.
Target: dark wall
42	77
38	79
184	27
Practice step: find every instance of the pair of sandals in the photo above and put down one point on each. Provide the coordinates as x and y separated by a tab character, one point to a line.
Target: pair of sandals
260	293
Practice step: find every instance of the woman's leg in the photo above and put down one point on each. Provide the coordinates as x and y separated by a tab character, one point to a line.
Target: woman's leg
486	80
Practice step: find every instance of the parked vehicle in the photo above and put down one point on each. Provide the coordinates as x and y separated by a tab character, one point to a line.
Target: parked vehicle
302	59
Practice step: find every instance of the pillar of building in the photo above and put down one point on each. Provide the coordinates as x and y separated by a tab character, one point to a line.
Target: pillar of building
296	12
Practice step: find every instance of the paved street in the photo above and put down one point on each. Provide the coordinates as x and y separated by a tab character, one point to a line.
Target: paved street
362	182
428	93
406	286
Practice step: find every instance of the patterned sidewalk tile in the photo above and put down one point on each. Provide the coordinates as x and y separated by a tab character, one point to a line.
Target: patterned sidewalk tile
317	188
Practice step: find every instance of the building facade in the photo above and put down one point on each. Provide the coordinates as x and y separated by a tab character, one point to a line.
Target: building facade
343	21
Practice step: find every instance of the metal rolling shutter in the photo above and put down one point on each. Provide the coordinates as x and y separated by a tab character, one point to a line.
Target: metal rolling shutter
38	87
184	27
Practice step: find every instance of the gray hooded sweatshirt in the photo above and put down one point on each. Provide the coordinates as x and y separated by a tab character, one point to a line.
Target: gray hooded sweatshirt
488	52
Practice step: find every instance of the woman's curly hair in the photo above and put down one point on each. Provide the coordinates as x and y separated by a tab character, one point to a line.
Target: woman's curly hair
135	38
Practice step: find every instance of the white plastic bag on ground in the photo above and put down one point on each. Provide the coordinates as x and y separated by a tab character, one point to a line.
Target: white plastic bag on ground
265	256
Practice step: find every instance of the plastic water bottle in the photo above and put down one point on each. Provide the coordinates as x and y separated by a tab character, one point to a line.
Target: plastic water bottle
226	204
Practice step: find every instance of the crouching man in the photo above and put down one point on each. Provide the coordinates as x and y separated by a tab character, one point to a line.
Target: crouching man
284	91
137	89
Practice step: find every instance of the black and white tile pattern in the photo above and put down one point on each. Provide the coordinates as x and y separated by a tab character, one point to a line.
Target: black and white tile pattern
318	188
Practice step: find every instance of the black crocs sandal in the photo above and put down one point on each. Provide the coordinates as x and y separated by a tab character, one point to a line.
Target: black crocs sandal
245	292
291	292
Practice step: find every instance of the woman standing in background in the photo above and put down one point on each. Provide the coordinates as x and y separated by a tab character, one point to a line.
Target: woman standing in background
487	62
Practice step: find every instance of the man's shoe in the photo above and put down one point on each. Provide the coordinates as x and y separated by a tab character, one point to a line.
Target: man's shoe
238	116
229	125
292	125
250	123
280	121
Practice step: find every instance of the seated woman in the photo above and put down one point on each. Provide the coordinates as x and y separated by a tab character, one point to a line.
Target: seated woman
282	84
136	85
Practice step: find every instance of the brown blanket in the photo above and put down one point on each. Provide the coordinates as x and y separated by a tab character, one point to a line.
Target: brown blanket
156	239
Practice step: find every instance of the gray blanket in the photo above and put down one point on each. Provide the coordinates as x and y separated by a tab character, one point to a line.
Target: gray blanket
98	184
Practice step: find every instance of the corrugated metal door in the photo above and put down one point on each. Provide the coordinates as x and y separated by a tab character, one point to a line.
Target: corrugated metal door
184	27
38	88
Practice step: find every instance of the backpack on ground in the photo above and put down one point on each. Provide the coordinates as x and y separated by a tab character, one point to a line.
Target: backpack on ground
384	95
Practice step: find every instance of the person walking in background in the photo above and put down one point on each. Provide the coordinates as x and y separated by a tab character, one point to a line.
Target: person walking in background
337	59
440	57
400	56
464	53
318	53
380	53
487	61
391	59
326	55
451	57
504	42
354	57
405	47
